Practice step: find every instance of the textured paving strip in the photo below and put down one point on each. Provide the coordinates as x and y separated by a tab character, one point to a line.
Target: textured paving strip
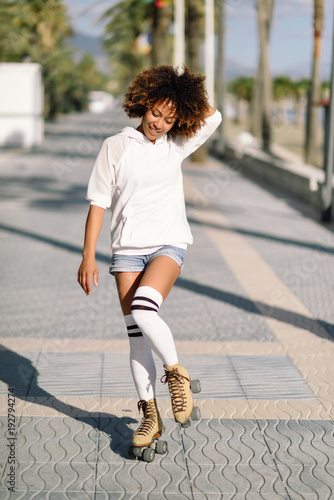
222	376
122	346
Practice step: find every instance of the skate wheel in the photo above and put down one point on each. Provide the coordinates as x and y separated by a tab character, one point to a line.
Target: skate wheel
162	447
148	455
195	386
136	451
186	424
196	414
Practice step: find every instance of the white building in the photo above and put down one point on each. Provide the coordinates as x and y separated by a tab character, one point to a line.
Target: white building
21	104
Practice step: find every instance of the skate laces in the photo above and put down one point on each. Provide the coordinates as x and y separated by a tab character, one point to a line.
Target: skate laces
149	417
176	383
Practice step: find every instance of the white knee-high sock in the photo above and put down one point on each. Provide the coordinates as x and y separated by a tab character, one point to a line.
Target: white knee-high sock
141	361
144	309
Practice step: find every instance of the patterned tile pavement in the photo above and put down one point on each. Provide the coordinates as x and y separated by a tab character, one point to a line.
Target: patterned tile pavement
251	313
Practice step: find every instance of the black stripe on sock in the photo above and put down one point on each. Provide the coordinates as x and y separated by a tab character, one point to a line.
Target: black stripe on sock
145	298
144	308
135	334
132	327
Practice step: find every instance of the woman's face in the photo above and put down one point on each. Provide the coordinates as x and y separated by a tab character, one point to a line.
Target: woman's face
158	121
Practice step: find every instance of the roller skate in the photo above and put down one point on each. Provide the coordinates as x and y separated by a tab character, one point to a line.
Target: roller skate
145	440
180	387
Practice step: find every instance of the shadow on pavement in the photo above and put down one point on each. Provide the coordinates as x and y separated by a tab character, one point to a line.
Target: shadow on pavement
318	247
318	327
19	373
69	247
55	196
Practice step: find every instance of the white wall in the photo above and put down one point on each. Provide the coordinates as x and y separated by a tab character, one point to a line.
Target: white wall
21	104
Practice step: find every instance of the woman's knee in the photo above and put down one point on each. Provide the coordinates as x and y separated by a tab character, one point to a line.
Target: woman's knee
145	305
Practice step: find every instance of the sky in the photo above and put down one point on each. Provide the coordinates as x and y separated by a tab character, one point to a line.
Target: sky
291	37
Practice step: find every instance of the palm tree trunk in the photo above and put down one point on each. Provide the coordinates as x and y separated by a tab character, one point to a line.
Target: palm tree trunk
263	91
194	33
161	42
312	125
256	125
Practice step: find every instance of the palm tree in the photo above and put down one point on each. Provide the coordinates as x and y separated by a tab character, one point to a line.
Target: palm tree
242	88
194	28
261	101
312	125
129	25
127	21
37	31
162	16
194	25
283	87
32	29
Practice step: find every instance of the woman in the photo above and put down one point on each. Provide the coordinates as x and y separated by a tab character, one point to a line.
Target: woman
138	174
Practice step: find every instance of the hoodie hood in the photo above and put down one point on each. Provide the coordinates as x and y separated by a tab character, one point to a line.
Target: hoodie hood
133	133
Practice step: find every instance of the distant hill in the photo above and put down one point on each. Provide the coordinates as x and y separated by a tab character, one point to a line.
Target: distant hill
296	72
234	69
303	70
83	44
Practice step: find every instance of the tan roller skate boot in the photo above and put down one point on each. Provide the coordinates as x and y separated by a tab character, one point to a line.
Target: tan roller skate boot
151	426
179	382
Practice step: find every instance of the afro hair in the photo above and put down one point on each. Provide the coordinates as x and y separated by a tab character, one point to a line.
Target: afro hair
184	91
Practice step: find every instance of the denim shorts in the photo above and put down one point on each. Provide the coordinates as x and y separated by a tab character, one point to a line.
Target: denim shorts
138	263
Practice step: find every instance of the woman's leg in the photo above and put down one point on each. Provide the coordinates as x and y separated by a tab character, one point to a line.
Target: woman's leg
153	288
141	360
158	278
147	291
156	283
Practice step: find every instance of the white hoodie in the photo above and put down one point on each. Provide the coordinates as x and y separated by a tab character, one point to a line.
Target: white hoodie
142	183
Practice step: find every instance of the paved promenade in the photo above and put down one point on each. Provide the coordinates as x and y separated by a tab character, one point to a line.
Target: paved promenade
252	314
